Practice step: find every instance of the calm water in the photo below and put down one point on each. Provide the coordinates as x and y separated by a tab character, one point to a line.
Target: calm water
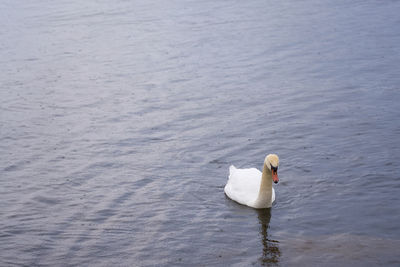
119	120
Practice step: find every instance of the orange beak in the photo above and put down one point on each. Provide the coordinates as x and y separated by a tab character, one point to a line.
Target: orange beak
275	176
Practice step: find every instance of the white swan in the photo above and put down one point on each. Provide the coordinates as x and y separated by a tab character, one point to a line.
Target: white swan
251	187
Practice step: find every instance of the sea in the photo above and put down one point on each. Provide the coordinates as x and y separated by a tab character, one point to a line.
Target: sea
119	121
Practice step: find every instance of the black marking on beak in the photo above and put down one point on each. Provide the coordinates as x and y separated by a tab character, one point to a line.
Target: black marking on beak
274	171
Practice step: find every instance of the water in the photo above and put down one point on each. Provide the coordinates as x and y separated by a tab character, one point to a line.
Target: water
119	120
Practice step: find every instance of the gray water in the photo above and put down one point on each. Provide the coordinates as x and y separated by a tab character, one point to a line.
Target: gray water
119	120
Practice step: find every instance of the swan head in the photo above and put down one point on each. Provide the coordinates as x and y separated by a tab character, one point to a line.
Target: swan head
272	163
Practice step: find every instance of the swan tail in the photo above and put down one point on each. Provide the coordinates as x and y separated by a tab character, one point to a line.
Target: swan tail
232	169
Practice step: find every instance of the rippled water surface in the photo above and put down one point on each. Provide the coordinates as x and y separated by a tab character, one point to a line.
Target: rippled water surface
119	120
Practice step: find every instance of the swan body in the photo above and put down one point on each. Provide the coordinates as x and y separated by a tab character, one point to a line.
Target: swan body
251	187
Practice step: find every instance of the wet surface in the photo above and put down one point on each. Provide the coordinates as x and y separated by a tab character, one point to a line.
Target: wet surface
118	123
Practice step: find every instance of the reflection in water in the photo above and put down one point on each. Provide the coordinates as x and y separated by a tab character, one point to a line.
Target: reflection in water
271	253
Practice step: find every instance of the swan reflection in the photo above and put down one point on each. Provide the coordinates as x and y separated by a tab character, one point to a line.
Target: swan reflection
271	252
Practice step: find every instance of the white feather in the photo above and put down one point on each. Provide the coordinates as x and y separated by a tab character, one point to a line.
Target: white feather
243	186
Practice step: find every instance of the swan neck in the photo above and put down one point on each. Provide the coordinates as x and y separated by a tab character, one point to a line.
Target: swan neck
266	180
265	194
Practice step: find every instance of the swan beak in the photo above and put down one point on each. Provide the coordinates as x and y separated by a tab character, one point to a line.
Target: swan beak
275	176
